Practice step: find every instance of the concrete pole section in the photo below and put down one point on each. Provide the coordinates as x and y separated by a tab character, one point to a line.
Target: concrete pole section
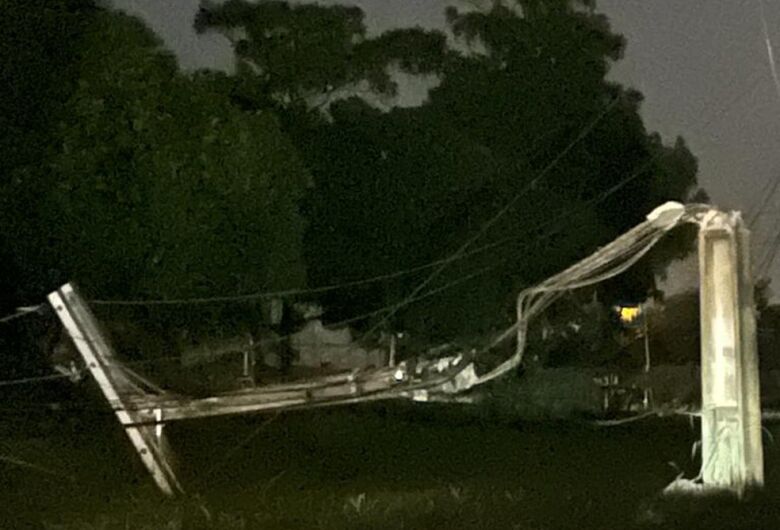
144	428
732	453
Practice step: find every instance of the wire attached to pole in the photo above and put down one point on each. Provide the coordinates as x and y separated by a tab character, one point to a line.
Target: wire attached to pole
20	312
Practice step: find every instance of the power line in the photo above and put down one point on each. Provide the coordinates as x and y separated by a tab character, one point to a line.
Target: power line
357	318
364	316
596	200
458	255
35	379
316	290
35	467
769	48
394	308
292	292
20	312
637	172
770	256
767	193
508	206
771	253
461	253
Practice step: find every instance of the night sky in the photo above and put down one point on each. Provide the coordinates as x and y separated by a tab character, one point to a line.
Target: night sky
701	64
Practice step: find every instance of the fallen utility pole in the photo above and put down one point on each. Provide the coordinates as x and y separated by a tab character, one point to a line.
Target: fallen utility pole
143	409
731	414
142	426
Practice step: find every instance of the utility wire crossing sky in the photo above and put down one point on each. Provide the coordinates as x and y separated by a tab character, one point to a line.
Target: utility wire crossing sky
690	58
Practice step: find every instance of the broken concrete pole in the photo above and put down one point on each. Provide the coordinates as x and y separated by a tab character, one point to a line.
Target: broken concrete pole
732	454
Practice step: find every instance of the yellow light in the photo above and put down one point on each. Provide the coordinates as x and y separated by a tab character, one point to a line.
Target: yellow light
629	314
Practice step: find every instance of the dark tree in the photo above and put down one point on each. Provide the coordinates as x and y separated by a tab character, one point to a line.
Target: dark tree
304	56
523	116
39	46
151	184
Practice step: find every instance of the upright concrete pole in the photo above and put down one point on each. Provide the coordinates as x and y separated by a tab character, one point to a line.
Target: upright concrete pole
732	454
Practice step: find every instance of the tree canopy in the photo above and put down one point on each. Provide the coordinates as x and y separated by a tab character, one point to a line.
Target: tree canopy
303	54
138	181
153	184
523	122
38	53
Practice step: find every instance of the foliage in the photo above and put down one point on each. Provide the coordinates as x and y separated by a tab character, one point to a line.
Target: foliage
298	53
39	40
523	116
158	187
38	53
149	183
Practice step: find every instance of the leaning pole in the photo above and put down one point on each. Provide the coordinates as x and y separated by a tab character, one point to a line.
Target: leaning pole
732	453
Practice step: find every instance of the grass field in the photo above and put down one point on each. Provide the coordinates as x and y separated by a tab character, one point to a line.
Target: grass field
393	465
